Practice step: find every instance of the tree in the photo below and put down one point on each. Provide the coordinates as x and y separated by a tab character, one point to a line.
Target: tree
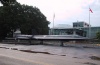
29	19
7	2
98	35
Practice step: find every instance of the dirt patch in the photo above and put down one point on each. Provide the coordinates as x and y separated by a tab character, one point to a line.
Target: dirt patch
30	51
86	47
14	48
62	55
36	52
4	47
77	57
95	58
89	63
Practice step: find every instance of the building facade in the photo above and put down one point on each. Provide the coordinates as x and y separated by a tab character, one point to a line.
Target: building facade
93	31
80	24
79	28
67	31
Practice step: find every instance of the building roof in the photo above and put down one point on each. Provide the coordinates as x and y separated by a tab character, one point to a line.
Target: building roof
17	31
62	26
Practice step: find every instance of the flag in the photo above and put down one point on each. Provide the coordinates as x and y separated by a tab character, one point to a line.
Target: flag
90	10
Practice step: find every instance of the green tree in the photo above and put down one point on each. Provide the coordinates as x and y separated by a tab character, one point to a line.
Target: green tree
7	2
29	19
98	35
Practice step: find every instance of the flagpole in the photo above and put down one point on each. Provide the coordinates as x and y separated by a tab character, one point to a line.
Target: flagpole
53	22
89	21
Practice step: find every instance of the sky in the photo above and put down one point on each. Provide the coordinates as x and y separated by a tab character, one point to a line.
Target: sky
67	11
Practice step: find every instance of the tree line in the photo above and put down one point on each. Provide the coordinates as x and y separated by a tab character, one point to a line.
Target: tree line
29	19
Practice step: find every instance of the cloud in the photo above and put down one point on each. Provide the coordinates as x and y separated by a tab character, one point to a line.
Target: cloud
97	2
62	8
66	11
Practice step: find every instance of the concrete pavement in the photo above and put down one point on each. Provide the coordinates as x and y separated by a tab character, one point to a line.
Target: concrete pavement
74	56
11	61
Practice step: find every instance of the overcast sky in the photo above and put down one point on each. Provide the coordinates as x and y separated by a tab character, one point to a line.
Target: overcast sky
67	11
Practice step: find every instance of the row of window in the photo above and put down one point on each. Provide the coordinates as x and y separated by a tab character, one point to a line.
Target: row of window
77	26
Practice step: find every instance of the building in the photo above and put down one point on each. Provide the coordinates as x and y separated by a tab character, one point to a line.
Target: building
78	28
80	24
17	32
67	31
93	31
